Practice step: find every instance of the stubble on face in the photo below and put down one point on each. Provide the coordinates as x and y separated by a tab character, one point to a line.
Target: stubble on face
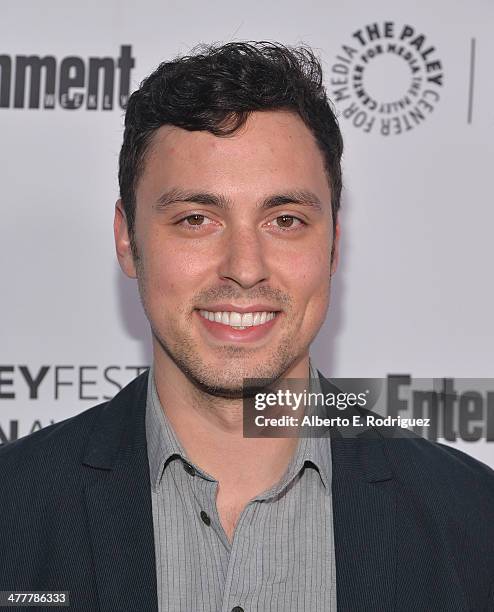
239	361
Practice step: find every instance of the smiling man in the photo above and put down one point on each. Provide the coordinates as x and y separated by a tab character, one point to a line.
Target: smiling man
230	185
229	224
233	248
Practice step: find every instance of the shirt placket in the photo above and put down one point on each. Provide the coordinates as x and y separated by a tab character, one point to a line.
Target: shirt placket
203	488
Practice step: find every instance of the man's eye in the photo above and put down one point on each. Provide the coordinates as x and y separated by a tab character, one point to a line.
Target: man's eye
288	221
195	220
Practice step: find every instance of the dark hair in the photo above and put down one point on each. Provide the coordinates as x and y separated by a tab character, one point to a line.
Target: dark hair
215	89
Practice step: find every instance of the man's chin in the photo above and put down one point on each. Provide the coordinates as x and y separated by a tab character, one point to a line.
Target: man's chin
234	387
236	378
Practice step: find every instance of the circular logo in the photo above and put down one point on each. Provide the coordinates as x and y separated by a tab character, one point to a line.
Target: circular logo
388	80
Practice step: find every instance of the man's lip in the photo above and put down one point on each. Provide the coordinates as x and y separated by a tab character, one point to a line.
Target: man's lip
240	309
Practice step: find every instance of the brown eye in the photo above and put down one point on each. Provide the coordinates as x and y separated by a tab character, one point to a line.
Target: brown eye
285	221
195	219
195	222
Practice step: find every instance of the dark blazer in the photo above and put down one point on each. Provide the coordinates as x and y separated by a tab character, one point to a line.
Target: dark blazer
413	520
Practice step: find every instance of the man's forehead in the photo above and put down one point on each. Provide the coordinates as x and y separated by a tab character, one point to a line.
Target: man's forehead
272	153
278	127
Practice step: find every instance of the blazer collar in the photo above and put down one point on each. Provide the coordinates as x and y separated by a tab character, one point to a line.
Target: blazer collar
364	519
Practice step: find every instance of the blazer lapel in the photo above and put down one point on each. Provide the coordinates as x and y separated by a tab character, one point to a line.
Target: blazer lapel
118	497
364	521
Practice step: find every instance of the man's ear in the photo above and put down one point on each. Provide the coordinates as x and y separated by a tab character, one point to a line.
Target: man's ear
122	241
335	250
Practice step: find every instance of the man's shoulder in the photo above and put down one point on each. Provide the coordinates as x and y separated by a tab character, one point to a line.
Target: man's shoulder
416	459
50	446
441	475
423	455
61	446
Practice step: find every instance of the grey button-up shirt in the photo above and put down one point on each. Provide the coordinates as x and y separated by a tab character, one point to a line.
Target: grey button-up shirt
281	557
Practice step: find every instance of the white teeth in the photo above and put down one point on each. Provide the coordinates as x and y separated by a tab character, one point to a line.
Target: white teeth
238	320
235	319
247	319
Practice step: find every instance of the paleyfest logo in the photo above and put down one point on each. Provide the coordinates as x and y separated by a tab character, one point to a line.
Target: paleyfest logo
388	79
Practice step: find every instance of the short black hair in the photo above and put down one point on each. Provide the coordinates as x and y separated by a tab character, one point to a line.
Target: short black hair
215	88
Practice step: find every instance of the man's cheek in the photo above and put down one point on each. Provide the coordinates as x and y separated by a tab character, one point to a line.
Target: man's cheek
165	275
309	274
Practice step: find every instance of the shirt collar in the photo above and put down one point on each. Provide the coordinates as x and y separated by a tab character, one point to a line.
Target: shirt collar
163	444
314	450
319	447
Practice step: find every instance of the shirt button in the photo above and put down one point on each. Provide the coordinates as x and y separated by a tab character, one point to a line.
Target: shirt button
237	609
205	519
189	469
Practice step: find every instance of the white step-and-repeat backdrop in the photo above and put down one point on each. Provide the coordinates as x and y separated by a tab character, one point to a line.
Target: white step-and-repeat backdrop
413	88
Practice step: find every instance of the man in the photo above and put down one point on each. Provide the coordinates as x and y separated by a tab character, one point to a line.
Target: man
230	185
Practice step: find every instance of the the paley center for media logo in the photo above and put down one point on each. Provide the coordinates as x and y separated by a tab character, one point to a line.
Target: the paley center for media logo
46	82
387	78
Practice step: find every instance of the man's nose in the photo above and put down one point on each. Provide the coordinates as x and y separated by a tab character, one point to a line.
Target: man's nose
244	259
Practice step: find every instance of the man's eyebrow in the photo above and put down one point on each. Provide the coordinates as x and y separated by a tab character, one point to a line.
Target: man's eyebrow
302	197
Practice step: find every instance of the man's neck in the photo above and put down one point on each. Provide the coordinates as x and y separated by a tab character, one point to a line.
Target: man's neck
210	430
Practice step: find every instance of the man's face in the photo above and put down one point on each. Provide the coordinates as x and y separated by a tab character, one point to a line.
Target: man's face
224	225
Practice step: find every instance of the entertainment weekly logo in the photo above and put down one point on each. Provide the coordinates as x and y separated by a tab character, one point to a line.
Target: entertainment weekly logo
388	79
72	82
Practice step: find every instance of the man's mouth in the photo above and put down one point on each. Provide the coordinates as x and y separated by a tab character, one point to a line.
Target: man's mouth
239	320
